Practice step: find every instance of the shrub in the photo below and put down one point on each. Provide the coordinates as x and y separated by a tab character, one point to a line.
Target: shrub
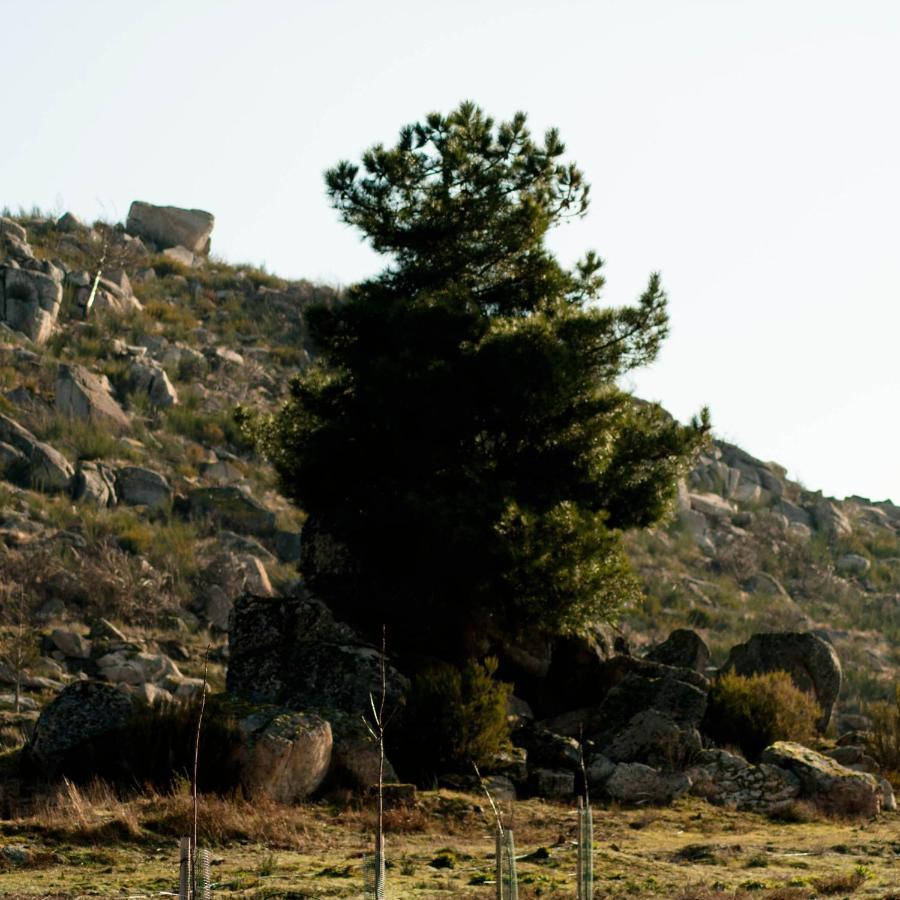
884	741
453	717
753	712
155	750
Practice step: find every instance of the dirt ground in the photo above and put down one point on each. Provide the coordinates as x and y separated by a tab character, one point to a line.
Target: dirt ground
96	846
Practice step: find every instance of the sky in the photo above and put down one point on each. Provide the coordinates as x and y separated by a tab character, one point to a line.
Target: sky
749	150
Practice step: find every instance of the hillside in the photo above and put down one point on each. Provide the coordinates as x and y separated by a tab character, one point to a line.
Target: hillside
132	505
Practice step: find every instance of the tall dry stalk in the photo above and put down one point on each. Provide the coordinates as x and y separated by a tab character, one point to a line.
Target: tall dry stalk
194	794
376	730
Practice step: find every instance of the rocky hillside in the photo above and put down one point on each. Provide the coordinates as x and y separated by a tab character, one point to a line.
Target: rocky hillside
134	513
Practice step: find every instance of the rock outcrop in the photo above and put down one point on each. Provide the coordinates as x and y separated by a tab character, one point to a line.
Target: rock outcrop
171	226
30	300
831	786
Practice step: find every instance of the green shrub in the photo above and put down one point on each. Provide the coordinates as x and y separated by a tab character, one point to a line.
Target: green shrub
753	712
453	717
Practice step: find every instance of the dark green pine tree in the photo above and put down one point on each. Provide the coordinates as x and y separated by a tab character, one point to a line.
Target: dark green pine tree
463	452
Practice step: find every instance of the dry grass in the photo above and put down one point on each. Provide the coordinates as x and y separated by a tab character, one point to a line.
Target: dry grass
105	845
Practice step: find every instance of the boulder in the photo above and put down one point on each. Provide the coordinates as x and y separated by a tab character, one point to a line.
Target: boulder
47	468
573	677
291	652
726	779
171	226
81	394
180	255
853	564
355	759
82	713
30	301
653	737
832	787
70	222
95	483
712	506
11	229
829	519
637	783
286	756
151	380
233	507
684	649
811	662
137	486
546	749
552	784
70	643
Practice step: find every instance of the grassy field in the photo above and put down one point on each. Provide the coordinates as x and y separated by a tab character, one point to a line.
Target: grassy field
89	844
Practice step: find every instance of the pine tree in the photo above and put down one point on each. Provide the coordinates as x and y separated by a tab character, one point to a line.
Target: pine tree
462	449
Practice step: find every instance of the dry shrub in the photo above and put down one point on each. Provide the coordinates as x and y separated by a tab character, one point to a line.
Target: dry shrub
222	820
796	812
99	579
884	739
839	884
757	710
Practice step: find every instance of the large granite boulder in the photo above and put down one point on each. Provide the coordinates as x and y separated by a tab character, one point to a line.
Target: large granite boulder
683	648
832	787
726	779
811	662
637	783
137	486
232	507
79	715
81	394
171	226
286	755
30	300
290	651
45	467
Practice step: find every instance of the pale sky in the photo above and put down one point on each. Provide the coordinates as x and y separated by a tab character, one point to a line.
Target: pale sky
747	149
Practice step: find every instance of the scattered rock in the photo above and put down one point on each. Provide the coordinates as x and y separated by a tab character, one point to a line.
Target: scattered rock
180	255
81	394
71	643
95	483
552	784
137	486
47	468
150	379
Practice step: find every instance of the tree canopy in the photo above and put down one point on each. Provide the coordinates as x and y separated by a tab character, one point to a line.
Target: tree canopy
461	446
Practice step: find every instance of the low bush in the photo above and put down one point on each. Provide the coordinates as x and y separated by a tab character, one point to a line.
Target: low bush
754	711
884	740
453	717
155	751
